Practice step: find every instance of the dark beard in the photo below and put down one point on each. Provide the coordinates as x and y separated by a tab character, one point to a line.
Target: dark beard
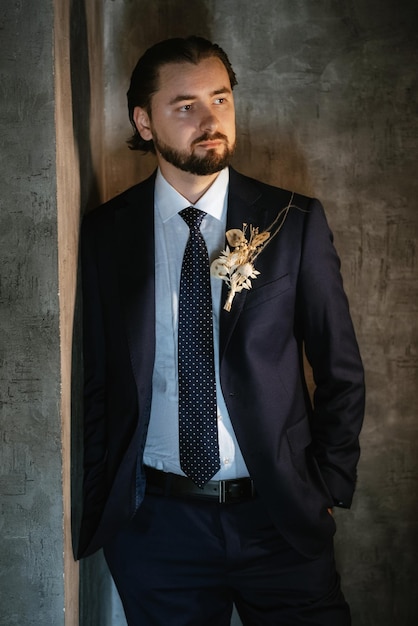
210	163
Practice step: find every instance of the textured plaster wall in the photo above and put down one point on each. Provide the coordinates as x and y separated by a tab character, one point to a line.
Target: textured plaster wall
327	105
31	500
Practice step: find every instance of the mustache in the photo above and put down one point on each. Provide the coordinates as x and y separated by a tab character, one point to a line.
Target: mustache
210	137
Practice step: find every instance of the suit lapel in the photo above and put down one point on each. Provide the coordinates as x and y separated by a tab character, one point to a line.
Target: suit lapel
243	208
136	270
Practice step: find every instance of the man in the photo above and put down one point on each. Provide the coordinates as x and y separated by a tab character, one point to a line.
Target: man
210	477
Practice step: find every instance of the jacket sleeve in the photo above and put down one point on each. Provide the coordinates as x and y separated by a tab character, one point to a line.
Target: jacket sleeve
94	363
332	351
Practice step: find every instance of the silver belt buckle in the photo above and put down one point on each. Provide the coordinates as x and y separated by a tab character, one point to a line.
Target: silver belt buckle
222	491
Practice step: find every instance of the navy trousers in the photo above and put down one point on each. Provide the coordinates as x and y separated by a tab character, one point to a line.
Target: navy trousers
183	562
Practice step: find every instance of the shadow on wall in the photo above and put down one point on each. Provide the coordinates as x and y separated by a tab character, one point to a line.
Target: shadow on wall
135	27
94	580
138	30
81	90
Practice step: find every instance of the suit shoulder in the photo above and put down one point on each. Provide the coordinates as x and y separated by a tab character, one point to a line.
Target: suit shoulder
270	193
105	213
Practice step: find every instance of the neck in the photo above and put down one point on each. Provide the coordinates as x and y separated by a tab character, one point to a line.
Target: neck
190	186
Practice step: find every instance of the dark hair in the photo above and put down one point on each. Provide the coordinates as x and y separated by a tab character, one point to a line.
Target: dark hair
145	77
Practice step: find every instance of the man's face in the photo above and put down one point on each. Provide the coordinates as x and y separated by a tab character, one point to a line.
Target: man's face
192	121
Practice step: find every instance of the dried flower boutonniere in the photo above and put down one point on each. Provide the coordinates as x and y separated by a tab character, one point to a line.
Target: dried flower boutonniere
235	265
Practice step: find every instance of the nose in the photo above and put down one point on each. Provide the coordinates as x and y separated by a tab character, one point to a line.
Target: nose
209	122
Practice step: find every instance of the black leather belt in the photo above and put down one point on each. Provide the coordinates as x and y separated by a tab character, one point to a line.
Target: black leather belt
223	491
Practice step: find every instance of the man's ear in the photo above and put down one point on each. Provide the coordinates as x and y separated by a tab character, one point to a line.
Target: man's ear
142	123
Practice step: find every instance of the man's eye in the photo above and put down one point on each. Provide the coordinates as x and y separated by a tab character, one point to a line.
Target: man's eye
186	107
220	100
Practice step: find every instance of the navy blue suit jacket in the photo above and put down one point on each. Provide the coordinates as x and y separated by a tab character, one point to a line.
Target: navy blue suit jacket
302	454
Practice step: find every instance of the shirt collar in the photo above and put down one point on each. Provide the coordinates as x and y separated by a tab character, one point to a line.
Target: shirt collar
169	202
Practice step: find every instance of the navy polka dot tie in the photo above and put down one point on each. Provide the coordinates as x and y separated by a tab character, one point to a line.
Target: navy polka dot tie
198	434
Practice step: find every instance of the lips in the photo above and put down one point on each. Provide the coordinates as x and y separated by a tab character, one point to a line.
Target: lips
213	141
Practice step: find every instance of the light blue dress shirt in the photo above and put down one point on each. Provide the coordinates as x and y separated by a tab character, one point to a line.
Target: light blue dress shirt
171	234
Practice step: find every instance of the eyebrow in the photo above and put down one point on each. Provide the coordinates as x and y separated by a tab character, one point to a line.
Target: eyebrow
183	97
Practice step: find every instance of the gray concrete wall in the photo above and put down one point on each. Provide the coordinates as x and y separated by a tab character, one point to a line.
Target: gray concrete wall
31	501
326	104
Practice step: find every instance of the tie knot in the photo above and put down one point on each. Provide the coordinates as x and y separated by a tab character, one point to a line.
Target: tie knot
193	217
